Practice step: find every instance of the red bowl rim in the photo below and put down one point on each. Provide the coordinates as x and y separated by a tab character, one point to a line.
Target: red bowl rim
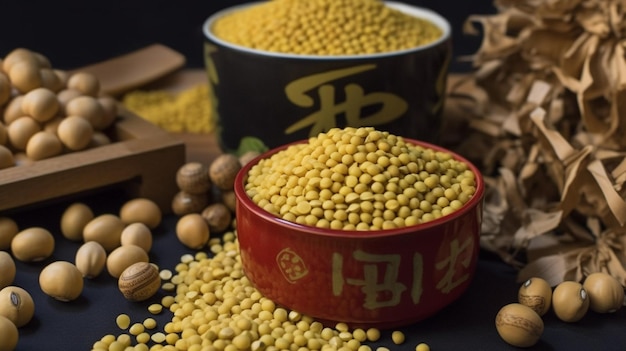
242	197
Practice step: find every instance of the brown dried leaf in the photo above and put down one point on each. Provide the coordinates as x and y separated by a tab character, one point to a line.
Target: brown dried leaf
614	201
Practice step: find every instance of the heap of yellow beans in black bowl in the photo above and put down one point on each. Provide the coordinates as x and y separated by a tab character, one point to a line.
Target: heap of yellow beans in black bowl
286	70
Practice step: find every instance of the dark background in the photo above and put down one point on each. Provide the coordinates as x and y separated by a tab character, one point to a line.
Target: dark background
73	33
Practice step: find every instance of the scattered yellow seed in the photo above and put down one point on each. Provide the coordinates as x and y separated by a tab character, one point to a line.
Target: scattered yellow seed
143	338
215	307
167	301
171	338
108	339
168	286
100	345
124	339
359	334
136	329
123	321
149	323
186	258
342	327
165	274
155	308
158	337
117	346
422	347
397	337
373	334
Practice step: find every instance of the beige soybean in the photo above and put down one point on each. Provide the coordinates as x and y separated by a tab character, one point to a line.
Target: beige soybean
90	259
41	104
8	269
123	257
570	301
17	305
360	178
9	334
61	280
32	244
5	88
141	210
137	234
43	145
21	130
536	293
84	82
606	294
519	325
86	107
106	229
75	132
192	231
74	219
8	230
7	159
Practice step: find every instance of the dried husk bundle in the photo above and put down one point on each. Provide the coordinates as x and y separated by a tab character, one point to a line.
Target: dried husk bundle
547	124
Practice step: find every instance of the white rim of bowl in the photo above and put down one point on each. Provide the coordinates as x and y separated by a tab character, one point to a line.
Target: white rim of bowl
415	11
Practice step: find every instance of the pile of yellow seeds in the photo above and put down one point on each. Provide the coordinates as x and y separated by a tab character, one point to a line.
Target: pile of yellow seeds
325	27
360	179
215	307
185	111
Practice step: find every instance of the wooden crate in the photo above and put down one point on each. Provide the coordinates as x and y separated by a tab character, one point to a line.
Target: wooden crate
143	158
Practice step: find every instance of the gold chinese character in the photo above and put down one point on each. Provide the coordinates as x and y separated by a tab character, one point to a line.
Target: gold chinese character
455	261
387	106
371	286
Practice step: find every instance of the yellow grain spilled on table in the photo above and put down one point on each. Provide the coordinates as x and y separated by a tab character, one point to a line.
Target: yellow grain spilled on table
186	111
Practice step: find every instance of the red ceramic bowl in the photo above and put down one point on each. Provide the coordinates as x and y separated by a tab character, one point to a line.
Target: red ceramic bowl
382	279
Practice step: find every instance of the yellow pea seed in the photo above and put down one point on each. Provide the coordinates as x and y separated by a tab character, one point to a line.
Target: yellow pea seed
123	321
165	274
143	338
158	337
171	338
373	334
167	301
124	339
155	308
385	173
117	346
397	337
168	286
136	329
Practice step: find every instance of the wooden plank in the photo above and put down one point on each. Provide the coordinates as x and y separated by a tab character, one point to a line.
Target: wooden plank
145	157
